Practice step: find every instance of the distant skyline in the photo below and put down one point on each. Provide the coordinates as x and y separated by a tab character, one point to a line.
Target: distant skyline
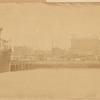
39	24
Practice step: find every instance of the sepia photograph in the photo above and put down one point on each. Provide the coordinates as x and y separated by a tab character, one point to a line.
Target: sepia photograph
50	50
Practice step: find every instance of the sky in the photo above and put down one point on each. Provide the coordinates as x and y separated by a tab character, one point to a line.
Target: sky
42	25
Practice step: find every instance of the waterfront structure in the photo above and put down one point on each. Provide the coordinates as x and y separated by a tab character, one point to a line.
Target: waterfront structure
5	55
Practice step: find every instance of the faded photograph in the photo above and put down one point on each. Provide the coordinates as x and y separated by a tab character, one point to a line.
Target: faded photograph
50	51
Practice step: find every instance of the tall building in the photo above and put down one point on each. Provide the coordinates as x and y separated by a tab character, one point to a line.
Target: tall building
84	46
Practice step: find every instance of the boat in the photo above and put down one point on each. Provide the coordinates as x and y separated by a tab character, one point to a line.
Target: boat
5	55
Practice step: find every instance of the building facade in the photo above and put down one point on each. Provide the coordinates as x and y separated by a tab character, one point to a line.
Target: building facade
82	47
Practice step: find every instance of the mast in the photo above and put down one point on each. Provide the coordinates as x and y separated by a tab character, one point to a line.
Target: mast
0	31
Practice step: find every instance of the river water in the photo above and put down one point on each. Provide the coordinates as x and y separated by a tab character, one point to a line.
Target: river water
51	84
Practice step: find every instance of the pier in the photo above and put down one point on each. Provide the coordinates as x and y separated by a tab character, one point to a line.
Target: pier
18	66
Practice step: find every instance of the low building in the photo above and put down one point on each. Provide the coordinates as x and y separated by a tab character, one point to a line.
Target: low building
20	51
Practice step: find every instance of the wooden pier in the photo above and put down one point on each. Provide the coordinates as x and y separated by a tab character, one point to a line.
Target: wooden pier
16	66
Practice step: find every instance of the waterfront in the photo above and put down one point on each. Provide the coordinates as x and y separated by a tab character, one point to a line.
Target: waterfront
51	84
50	51
23	65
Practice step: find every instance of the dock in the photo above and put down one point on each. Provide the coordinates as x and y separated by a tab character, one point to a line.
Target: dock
17	66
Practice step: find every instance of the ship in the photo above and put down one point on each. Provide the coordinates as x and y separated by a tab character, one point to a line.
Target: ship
5	54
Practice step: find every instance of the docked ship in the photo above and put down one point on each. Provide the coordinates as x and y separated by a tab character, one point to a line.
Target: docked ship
5	55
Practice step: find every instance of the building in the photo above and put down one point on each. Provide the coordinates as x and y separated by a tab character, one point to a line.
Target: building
81	47
56	51
20	51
